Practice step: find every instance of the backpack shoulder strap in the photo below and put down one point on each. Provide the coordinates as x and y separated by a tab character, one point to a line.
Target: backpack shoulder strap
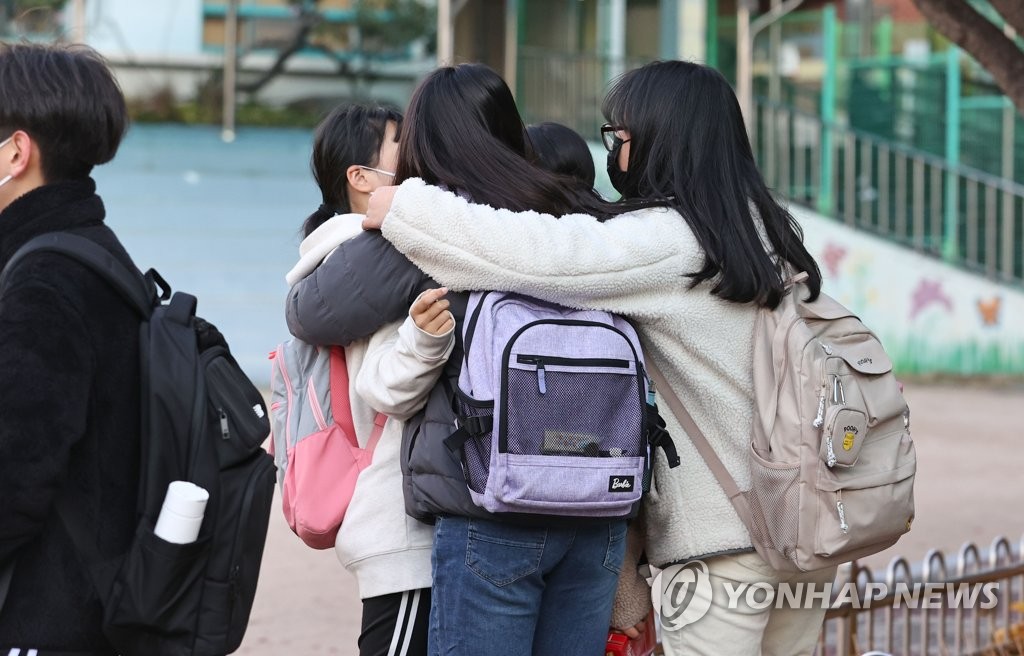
6	574
700	442
341	406
130	285
378	429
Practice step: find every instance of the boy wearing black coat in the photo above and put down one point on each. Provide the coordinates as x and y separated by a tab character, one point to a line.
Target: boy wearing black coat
69	353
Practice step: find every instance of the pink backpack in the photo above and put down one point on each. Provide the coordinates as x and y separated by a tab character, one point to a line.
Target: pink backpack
315	447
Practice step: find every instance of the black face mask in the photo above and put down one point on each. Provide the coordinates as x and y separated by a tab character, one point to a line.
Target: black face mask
616	175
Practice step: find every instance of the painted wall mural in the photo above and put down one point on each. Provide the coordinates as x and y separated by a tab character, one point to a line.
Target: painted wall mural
931	317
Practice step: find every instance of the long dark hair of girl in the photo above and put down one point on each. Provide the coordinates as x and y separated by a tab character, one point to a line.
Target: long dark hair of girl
689	150
350	135
462	130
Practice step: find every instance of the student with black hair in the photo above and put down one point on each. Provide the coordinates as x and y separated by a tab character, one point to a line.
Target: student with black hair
69	353
522	586
700	247
354	152
561	149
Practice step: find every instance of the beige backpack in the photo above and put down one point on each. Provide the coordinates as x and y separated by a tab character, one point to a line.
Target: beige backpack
832	463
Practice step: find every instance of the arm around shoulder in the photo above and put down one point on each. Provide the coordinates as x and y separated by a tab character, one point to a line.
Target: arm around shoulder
362	286
575	259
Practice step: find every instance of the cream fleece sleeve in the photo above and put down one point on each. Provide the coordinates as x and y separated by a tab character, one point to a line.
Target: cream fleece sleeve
573	260
633	595
401	367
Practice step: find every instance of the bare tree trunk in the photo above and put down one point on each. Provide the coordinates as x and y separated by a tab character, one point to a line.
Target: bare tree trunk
1012	12
1000	56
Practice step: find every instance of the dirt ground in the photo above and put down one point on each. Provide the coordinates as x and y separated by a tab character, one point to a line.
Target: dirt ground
969	488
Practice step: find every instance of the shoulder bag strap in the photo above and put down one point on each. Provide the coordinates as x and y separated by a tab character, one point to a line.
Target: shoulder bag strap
6	574
131	286
700	442
378	429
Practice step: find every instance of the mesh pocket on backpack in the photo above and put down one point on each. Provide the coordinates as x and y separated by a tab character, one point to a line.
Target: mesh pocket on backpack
567	413
775	503
476	453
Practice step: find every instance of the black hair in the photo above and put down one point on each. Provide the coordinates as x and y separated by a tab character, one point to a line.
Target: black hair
689	150
350	135
67	100
463	131
561	149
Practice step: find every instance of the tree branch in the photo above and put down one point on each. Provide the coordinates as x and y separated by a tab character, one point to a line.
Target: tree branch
307	21
1000	56
1012	12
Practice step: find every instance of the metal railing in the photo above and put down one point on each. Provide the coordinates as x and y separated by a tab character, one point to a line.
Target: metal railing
566	87
966	216
938	626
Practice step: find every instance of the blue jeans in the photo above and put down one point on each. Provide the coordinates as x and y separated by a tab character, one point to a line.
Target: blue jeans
512	590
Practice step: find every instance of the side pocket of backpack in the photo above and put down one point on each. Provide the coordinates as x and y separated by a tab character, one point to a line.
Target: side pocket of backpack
159	586
280	409
229	585
476	452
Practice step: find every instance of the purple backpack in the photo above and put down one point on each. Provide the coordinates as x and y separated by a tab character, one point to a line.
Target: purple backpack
552	409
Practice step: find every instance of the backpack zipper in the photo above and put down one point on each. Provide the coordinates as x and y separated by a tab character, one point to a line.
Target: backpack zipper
819	420
503	426
843	526
224	432
830	453
540	360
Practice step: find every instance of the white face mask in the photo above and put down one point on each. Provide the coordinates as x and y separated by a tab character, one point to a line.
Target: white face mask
3	143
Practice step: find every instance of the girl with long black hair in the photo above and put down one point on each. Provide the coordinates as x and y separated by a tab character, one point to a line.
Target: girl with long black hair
500	587
701	248
354	151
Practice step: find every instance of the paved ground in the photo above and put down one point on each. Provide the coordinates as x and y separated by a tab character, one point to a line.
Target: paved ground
969	488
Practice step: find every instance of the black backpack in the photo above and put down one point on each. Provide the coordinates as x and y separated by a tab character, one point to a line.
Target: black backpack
202	421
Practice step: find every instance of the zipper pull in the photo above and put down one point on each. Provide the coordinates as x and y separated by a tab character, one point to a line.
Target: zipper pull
830	452
224	432
820	418
839	394
542	385
843	526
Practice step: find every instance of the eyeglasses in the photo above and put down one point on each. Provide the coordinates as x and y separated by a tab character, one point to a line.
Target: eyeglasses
381	171
610	138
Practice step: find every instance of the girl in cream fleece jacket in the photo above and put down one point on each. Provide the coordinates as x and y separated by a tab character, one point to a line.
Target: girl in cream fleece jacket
703	252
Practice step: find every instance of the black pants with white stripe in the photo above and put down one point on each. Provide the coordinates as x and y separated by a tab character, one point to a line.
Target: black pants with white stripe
395	624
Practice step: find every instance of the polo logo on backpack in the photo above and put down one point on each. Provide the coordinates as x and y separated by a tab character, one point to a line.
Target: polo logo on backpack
832	463
202	421
552	409
315	447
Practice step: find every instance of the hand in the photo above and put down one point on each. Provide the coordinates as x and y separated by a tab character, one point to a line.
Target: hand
430	312
378	207
633	632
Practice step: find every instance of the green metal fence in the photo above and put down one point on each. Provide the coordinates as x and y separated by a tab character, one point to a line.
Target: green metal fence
941	103
964	215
